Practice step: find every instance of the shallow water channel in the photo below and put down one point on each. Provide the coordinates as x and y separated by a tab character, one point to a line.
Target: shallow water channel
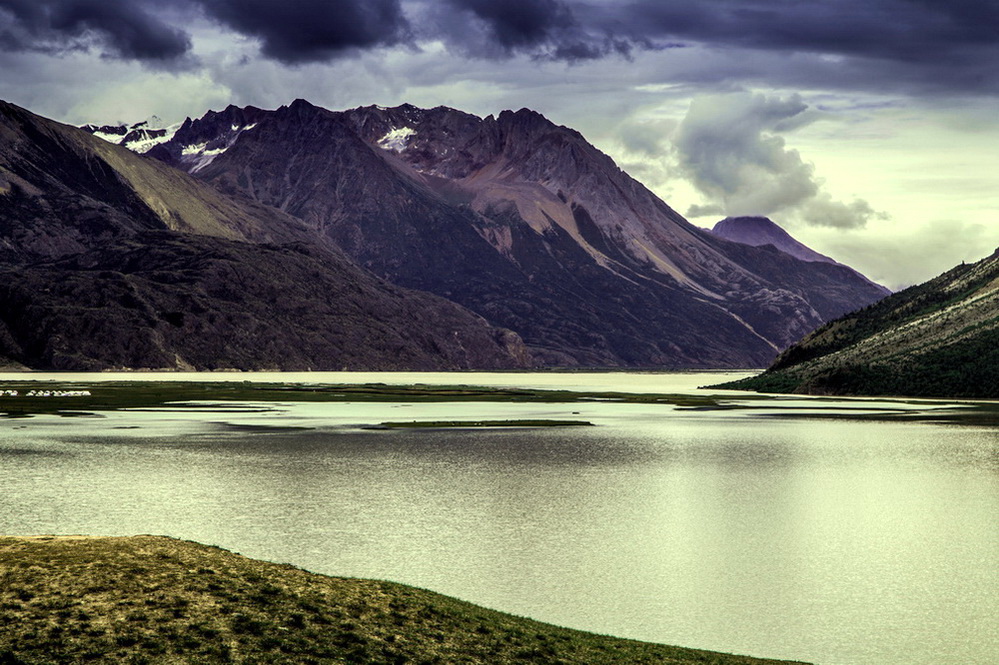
788	528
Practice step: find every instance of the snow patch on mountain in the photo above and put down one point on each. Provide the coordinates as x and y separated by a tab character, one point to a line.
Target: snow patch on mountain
203	159
139	137
145	140
197	156
397	139
142	137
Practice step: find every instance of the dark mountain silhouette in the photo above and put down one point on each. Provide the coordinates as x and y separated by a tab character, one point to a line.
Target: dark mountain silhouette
109	259
523	222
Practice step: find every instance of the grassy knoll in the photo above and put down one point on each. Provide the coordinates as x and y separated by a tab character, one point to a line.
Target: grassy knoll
149	599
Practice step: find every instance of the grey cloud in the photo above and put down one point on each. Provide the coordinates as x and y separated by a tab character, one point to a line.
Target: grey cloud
925	46
312	30
119	28
898	260
710	210
822	210
516	24
647	138
726	147
729	148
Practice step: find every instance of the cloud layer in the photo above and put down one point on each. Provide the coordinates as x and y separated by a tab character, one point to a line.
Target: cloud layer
311	30
730	148
935	46
118	28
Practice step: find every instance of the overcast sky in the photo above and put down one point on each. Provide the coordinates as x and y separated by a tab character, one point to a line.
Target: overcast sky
867	128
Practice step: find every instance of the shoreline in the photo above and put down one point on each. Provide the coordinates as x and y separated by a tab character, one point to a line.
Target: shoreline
132	598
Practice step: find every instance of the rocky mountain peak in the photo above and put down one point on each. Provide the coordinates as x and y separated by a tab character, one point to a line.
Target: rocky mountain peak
135	264
138	137
526	223
196	143
758	231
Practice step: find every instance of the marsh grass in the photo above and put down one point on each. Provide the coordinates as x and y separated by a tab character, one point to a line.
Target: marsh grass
152	394
475	424
147	599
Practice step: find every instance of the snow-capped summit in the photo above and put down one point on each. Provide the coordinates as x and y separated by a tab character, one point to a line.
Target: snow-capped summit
189	144
197	143
139	137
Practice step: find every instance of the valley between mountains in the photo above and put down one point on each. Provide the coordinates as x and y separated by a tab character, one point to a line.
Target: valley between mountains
377	238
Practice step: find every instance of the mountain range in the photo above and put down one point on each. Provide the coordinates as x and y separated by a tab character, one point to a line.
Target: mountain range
373	238
523	222
112	260
936	339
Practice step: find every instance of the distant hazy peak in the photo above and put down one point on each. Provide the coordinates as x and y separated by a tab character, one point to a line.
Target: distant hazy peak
758	231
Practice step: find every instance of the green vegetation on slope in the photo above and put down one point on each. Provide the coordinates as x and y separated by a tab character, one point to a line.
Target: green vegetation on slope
937	339
148	599
895	310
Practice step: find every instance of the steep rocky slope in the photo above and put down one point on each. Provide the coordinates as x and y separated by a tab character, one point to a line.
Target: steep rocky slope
65	191
109	259
525	223
165	300
937	339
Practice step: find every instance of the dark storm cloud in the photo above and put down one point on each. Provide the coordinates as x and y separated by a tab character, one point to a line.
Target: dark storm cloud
931	45
291	32
908	30
895	30
543	29
520	23
311	30
927	45
119	28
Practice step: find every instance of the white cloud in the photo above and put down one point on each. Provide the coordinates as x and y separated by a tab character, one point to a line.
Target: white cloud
900	257
730	147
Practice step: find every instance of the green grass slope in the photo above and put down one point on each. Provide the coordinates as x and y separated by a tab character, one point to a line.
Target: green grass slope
936	339
148	599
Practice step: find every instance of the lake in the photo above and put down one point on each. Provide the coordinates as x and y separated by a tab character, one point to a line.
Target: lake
837	531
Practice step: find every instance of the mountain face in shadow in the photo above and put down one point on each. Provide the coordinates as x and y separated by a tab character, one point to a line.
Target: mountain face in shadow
112	260
523	222
937	339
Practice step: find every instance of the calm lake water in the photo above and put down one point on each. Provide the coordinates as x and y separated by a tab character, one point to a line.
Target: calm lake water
791	528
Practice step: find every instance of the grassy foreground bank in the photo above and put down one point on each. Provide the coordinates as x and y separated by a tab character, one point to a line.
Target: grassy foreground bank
151	599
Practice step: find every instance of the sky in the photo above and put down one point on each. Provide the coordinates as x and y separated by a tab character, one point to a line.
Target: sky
869	129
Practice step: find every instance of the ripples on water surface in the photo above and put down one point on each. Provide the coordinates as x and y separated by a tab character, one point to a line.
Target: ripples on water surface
818	538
